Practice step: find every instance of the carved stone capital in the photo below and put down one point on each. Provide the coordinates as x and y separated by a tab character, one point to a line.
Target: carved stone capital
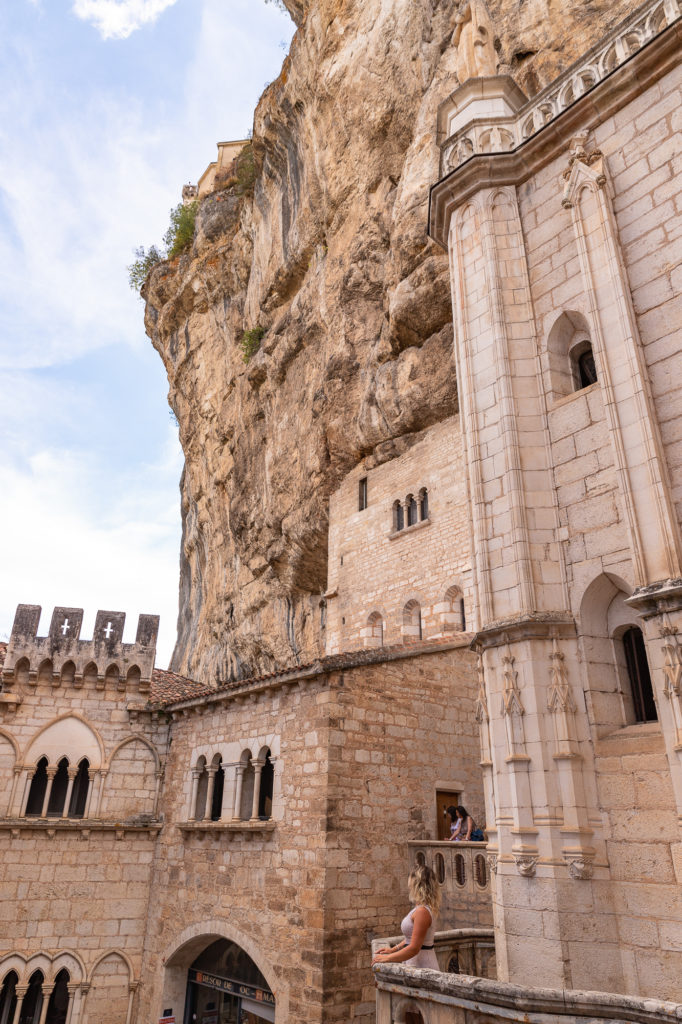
526	865
579	867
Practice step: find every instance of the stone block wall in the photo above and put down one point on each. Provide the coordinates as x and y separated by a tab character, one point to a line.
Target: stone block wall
376	570
359	753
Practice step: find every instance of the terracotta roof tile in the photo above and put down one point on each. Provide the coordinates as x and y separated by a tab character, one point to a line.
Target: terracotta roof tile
169	687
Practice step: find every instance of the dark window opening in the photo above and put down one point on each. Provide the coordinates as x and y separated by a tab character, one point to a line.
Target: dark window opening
32	1001
362	495
267	780
60	784
639	675
585	368
424	505
79	793
58	1006
218	787
398	516
36	794
411	510
8	997
462	614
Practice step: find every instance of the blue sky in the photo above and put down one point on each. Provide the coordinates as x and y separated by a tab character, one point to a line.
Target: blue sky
106	108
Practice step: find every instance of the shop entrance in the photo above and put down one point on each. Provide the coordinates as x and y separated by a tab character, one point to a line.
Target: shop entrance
224	986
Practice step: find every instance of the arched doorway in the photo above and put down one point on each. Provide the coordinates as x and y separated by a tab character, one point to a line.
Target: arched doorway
225	986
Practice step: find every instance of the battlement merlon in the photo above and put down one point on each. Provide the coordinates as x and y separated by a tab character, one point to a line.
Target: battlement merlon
63	656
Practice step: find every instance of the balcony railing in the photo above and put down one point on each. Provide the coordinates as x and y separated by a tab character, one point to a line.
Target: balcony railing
431	997
464	874
468	951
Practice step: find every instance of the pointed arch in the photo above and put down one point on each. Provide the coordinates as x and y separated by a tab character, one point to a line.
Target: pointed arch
112	952
135	736
90	745
12	742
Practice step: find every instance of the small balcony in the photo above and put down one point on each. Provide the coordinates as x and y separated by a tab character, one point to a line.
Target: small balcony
464	875
469	951
408	995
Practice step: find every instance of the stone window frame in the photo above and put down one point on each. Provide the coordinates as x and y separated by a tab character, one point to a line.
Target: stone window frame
237	791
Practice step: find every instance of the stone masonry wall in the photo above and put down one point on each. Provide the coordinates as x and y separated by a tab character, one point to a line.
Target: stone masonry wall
359	754
373	569
80	888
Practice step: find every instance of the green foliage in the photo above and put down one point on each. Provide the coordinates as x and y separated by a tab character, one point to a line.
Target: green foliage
245	169
178	239
251	342
279	4
180	233
139	269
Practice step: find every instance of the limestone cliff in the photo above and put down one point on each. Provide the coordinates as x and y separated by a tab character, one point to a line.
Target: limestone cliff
330	256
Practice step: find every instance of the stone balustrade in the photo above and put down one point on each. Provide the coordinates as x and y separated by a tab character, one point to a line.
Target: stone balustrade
490	115
463	871
468	951
431	997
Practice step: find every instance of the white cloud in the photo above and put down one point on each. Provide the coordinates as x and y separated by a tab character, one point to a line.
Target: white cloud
84	540
117	19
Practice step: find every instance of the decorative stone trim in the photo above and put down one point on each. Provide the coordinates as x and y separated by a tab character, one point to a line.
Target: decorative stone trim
85	825
217	827
641	50
394	534
526	865
499	134
580	868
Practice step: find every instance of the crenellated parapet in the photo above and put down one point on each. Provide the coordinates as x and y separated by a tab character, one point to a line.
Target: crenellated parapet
62	658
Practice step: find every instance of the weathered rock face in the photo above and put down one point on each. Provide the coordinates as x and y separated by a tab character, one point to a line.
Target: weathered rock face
330	256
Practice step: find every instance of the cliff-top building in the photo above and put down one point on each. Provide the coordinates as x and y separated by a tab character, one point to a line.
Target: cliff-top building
431	555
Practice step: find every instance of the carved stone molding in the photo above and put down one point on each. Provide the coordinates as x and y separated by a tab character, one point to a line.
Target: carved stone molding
492	863
526	865
579	867
579	159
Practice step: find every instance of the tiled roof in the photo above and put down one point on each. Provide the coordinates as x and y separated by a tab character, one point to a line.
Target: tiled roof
168	687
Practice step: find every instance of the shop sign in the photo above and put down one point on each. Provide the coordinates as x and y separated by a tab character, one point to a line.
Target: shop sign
167	1020
237	988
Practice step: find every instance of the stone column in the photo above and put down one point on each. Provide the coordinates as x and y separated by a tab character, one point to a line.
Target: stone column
103	772
229	792
258	770
212	772
69	790
543	825
236	815
74	995
159	774
93	780
51	772
27	790
46	993
196	774
131	999
20	991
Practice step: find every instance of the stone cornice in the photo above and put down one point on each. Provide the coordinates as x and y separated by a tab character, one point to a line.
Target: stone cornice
493	169
541	625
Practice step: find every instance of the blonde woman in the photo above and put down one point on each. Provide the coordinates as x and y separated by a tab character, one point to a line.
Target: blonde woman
416	949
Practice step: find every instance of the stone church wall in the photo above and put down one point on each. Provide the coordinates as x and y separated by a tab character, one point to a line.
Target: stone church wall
375	570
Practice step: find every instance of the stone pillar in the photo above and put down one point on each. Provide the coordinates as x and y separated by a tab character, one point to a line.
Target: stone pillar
212	772
15	780
20	991
157	793
103	772
27	790
46	993
543	824
93	780
69	790
131	999
196	774
258	770
51	772
229	792
74	995
236	815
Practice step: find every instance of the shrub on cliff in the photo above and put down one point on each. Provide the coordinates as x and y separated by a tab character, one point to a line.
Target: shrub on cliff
139	269
180	233
178	239
251	342
245	171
